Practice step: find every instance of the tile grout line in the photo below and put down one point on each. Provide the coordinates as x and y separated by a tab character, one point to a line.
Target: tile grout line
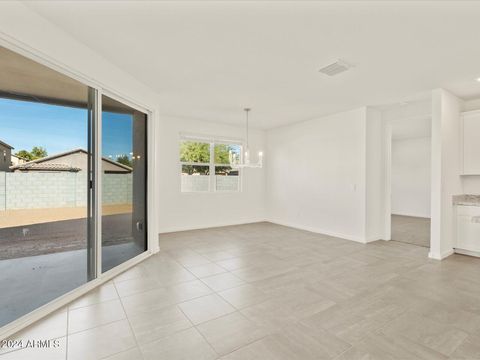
248	343
243	346
97	326
213	292
129	325
215	263
198	331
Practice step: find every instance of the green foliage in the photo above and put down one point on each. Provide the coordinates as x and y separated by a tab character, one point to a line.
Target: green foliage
196	169
198	152
24	154
222	156
124	160
191	151
37	152
222	153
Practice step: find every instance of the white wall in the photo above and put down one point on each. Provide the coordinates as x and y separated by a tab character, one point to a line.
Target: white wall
445	173
409	112
182	211
411	176
316	175
375	176
471	184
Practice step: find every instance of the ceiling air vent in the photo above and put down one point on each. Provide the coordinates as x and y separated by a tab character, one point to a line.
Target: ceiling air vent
335	68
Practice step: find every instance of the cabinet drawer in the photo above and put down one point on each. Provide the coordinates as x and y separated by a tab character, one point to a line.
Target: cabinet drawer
464	210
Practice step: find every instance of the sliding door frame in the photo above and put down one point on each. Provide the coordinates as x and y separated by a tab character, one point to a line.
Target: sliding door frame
150	178
152	235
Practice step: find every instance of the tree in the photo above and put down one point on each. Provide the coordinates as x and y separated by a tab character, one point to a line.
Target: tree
195	152
222	153
124	160
222	156
198	152
36	153
191	151
24	154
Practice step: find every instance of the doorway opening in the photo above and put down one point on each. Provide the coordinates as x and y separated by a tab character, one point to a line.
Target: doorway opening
410	181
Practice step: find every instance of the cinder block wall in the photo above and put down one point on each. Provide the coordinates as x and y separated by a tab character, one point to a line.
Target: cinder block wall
117	188
40	190
2	190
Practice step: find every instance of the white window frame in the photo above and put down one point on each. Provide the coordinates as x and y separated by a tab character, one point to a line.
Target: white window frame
212	183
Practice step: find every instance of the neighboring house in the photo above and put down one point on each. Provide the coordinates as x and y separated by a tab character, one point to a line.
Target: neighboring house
5	156
73	161
17	160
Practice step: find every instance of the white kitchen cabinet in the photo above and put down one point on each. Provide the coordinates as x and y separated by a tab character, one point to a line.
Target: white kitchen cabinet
471	142
468	231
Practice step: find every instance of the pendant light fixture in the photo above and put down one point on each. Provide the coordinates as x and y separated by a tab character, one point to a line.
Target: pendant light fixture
237	161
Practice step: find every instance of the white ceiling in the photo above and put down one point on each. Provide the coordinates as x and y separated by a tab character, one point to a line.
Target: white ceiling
208	60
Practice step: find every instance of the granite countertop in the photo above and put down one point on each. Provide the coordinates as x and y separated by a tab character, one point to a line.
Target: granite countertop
466	199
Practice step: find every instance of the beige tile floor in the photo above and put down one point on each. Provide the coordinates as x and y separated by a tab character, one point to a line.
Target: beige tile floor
268	292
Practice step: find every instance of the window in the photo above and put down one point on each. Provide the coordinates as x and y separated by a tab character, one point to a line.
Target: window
205	166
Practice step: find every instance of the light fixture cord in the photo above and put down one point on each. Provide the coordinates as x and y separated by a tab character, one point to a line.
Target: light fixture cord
246	111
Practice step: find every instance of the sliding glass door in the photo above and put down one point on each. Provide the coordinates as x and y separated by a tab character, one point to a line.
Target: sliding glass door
124	171
72	184
44	187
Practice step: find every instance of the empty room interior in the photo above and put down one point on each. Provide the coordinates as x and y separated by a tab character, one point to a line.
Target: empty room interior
239	180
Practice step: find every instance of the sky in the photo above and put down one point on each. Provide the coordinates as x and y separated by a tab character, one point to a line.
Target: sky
24	125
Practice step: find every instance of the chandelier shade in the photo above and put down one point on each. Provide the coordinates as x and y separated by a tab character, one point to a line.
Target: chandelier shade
238	161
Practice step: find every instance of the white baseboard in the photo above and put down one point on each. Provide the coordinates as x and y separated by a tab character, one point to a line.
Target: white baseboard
440	256
209	226
373	238
322	231
412	215
467	252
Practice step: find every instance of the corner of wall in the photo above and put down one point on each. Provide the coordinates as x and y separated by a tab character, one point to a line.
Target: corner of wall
374	175
445	175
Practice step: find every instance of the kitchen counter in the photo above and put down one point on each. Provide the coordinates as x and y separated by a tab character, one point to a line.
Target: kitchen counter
466	199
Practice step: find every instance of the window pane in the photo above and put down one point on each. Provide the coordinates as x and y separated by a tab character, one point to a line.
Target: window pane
191	151
44	245
226	178
195	178
222	152
124	171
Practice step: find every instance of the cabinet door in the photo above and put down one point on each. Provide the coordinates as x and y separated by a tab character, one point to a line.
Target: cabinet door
471	143
468	234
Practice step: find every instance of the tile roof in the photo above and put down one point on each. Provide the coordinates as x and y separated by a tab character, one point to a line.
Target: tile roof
47	167
39	163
